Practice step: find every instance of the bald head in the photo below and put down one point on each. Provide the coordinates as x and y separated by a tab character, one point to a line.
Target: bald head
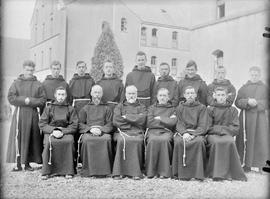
131	94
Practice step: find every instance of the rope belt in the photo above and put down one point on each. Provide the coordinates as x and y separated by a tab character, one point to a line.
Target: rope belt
111	102
78	150
17	135
79	99
144	98
184	153
48	102
184	147
245	136
124	147
50	149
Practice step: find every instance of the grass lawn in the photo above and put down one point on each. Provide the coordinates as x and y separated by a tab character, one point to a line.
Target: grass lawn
29	185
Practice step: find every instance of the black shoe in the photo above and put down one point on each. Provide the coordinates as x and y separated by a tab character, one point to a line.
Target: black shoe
184	179
28	168
266	169
218	179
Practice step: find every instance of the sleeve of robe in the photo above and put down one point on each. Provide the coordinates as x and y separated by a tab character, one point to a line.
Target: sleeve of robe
120	91
118	120
230	129
203	93
137	119
262	103
73	122
180	125
108	127
69	95
44	122
17	100
175	100
231	94
151	122
152	87
83	127
241	102
180	91
168	122
202	125
210	98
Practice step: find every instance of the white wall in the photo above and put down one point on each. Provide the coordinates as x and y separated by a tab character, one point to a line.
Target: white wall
240	39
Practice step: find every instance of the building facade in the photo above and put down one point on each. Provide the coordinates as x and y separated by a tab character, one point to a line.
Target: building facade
210	32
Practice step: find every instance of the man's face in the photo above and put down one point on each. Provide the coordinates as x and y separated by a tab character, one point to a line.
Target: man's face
191	71
141	61
55	70
220	74
108	69
96	94
163	97
220	96
164	70
190	95
60	95
131	95
81	68
254	76
28	70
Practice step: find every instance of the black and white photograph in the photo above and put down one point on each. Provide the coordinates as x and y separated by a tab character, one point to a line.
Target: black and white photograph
135	99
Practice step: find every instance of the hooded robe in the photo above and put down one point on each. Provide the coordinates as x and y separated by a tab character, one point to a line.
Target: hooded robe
27	145
159	139
190	116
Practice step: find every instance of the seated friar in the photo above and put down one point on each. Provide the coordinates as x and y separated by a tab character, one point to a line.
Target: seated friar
161	121
59	123
129	118
95	124
189	153
223	162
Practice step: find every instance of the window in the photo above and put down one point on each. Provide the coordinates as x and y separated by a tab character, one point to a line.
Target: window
174	39
154	37
52	6
143	36
43	31
174	67
218	58
42	60
50	56
51	26
174	35
154	32
36	31
220	9
154	64
35	58
36	19
123	25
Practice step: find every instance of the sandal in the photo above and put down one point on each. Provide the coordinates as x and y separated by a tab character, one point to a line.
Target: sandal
16	169
46	177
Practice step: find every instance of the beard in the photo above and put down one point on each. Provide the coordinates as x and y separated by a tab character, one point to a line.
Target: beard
96	100
131	100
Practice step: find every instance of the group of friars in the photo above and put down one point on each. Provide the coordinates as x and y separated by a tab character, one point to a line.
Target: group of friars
159	128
